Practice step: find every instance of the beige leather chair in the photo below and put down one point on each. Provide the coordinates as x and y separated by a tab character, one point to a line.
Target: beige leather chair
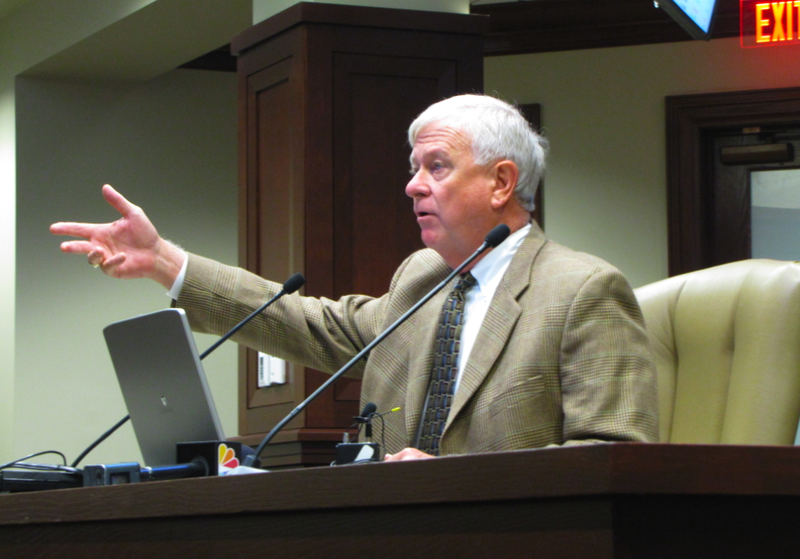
727	347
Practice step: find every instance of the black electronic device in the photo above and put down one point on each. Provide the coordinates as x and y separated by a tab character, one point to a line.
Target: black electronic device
18	481
357	453
349	453
695	16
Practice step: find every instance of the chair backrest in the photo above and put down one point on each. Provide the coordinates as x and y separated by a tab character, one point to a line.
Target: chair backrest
727	347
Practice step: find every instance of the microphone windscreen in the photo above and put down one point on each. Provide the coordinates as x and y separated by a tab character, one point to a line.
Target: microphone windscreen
294	283
369	409
497	235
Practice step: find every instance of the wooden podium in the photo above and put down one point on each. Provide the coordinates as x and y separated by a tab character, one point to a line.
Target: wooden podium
614	500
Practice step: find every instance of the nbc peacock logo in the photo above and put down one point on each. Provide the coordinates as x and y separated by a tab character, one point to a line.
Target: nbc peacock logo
227	460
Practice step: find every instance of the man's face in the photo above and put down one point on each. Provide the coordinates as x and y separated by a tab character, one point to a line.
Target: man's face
452	194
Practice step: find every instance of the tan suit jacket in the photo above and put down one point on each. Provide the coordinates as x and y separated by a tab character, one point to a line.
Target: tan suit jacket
562	356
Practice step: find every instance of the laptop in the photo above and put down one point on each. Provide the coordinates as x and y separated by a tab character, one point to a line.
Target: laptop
163	383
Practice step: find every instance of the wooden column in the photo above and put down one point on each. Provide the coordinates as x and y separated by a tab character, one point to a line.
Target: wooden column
326	93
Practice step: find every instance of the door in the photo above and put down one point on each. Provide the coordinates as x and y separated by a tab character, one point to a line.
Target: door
755	190
707	224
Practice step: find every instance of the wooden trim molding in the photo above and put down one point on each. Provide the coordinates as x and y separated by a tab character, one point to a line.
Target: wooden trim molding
509	27
357	16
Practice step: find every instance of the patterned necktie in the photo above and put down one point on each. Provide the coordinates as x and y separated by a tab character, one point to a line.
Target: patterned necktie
445	367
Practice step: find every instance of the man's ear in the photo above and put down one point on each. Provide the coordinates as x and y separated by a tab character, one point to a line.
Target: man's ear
506	175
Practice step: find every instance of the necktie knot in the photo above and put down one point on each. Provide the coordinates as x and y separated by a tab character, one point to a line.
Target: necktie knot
464	284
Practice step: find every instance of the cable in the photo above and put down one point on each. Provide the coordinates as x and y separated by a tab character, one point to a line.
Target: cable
46	467
103	437
383	436
383	429
18	460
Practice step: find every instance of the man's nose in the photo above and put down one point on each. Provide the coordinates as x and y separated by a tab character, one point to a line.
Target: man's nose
416	186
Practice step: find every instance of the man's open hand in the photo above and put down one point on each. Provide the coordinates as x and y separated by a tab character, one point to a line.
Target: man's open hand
407	454
127	248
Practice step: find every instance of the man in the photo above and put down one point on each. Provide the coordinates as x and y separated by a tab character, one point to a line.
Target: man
551	347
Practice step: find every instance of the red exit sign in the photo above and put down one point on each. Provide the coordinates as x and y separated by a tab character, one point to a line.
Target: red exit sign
765	24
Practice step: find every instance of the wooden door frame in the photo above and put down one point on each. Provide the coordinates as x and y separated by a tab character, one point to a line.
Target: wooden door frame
689	119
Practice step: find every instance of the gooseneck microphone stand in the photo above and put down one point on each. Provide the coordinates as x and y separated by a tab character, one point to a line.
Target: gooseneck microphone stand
494	238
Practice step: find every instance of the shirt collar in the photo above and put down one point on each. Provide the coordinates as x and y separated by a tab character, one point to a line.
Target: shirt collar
489	271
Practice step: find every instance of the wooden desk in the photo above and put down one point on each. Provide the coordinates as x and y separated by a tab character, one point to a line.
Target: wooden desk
621	500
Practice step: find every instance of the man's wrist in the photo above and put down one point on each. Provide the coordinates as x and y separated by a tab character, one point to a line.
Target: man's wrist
169	262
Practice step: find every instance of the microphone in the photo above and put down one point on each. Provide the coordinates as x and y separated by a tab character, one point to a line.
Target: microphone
494	238
349	453
366	417
360	453
290	286
497	235
368	410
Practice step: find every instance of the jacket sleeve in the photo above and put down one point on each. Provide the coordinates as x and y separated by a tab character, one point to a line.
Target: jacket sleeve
319	333
608	380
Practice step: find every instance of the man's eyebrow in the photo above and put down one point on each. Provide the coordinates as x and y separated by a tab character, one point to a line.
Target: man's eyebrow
433	154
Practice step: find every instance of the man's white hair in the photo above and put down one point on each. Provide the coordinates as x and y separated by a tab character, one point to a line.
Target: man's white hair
497	131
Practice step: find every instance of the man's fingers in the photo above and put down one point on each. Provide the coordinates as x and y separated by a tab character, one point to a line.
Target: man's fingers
116	260
117	200
84	230
407	454
96	257
77	247
111	265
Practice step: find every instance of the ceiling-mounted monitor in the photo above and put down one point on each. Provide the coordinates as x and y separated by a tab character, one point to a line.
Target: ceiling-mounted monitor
695	16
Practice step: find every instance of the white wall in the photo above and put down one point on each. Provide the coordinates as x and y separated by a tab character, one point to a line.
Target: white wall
170	146
7	262
603	111
27	36
129	41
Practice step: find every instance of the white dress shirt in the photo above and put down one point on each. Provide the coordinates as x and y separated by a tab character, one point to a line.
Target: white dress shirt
488	273
175	291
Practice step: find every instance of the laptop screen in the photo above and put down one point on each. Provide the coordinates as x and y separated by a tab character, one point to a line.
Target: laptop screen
163	383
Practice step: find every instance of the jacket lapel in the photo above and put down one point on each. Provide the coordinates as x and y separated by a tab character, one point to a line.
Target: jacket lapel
502	316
